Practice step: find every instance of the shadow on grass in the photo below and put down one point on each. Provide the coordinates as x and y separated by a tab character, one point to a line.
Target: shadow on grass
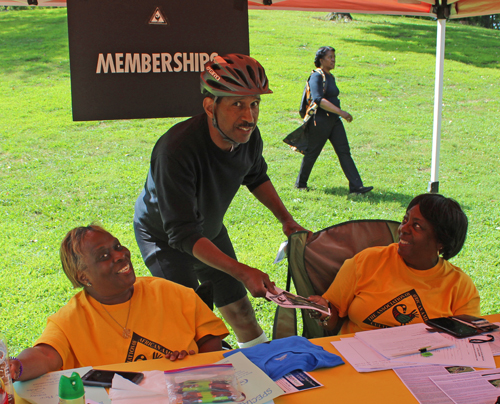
477	47
377	197
33	43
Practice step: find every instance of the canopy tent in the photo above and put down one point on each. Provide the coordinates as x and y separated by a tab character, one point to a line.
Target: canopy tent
458	8
439	9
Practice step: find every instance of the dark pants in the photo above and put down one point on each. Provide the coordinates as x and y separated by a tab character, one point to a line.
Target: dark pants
333	130
166	262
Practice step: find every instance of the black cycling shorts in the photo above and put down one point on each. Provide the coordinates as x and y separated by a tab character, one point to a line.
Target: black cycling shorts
166	262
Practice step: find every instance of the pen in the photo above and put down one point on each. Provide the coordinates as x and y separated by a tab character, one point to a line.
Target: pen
420	350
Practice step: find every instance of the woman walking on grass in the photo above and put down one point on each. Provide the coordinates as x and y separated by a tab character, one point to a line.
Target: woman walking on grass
327	125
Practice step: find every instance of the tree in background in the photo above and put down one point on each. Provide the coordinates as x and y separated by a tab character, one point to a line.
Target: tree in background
486	21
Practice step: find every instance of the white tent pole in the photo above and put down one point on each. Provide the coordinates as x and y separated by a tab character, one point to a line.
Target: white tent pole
438	106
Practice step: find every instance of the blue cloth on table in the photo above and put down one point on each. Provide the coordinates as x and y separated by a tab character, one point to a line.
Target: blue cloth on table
281	356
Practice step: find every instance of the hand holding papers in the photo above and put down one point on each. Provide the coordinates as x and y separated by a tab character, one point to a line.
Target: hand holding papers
287	299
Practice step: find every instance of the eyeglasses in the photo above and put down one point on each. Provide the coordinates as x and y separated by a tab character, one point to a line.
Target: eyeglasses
491	338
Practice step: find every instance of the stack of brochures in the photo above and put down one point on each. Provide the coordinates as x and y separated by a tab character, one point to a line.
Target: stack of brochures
436	371
411	345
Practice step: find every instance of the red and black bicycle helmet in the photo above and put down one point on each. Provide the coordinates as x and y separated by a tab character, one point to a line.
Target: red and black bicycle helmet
233	75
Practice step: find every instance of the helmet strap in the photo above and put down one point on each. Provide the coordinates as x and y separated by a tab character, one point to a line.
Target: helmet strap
233	144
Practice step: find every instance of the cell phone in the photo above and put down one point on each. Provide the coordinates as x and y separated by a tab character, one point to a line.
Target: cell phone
103	378
481	324
452	327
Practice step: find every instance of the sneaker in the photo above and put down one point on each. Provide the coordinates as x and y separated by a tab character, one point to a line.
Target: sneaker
361	190
303	188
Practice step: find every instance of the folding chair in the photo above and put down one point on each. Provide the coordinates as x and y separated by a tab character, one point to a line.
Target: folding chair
313	265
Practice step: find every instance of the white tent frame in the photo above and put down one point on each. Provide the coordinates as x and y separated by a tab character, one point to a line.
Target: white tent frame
438	106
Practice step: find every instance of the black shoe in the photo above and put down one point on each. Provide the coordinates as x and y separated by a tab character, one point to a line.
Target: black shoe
361	190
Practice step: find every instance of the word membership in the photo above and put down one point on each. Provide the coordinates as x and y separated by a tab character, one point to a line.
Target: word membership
152	63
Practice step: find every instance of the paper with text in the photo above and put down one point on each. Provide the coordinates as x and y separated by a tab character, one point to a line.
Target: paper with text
481	387
406	340
45	389
417	380
462	353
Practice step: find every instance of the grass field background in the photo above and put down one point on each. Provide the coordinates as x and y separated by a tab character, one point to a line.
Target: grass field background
56	174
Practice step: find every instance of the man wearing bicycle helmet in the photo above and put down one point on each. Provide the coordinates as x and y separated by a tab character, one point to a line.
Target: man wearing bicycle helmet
196	169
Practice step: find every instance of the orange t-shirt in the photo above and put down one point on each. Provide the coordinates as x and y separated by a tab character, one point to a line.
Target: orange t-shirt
376	289
164	317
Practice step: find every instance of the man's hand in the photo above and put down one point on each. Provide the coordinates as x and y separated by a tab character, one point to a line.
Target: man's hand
178	355
257	282
291	226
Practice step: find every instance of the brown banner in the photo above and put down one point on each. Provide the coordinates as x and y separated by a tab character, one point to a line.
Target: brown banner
142	58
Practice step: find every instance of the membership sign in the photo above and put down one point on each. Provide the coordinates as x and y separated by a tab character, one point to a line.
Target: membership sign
142	58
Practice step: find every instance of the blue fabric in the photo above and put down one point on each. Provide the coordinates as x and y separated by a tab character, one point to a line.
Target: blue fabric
281	356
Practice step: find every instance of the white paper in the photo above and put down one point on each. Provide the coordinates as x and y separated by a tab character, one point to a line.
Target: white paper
281	252
362	357
417	380
151	390
462	353
45	389
255	384
494	345
400	341
482	387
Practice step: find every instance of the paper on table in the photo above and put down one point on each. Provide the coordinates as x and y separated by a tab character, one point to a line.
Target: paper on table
45	389
255	384
362	357
417	380
494	345
296	381
462	353
151	390
480	387
400	341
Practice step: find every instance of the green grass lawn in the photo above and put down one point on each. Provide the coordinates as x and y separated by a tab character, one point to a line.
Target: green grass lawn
56	174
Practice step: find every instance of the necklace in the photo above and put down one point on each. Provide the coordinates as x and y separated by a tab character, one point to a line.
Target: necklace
126	331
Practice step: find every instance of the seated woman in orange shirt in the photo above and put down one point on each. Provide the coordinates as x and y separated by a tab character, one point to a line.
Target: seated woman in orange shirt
117	317
407	282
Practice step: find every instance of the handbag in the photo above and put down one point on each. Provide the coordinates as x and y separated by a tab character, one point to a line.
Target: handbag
298	139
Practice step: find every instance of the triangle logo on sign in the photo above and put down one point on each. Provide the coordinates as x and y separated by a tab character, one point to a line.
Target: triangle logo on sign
158	17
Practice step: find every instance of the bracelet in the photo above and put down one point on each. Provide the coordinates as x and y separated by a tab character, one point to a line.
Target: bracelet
13	358
324	322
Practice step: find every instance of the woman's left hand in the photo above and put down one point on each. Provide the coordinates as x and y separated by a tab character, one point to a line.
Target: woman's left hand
15	368
179	355
318	300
